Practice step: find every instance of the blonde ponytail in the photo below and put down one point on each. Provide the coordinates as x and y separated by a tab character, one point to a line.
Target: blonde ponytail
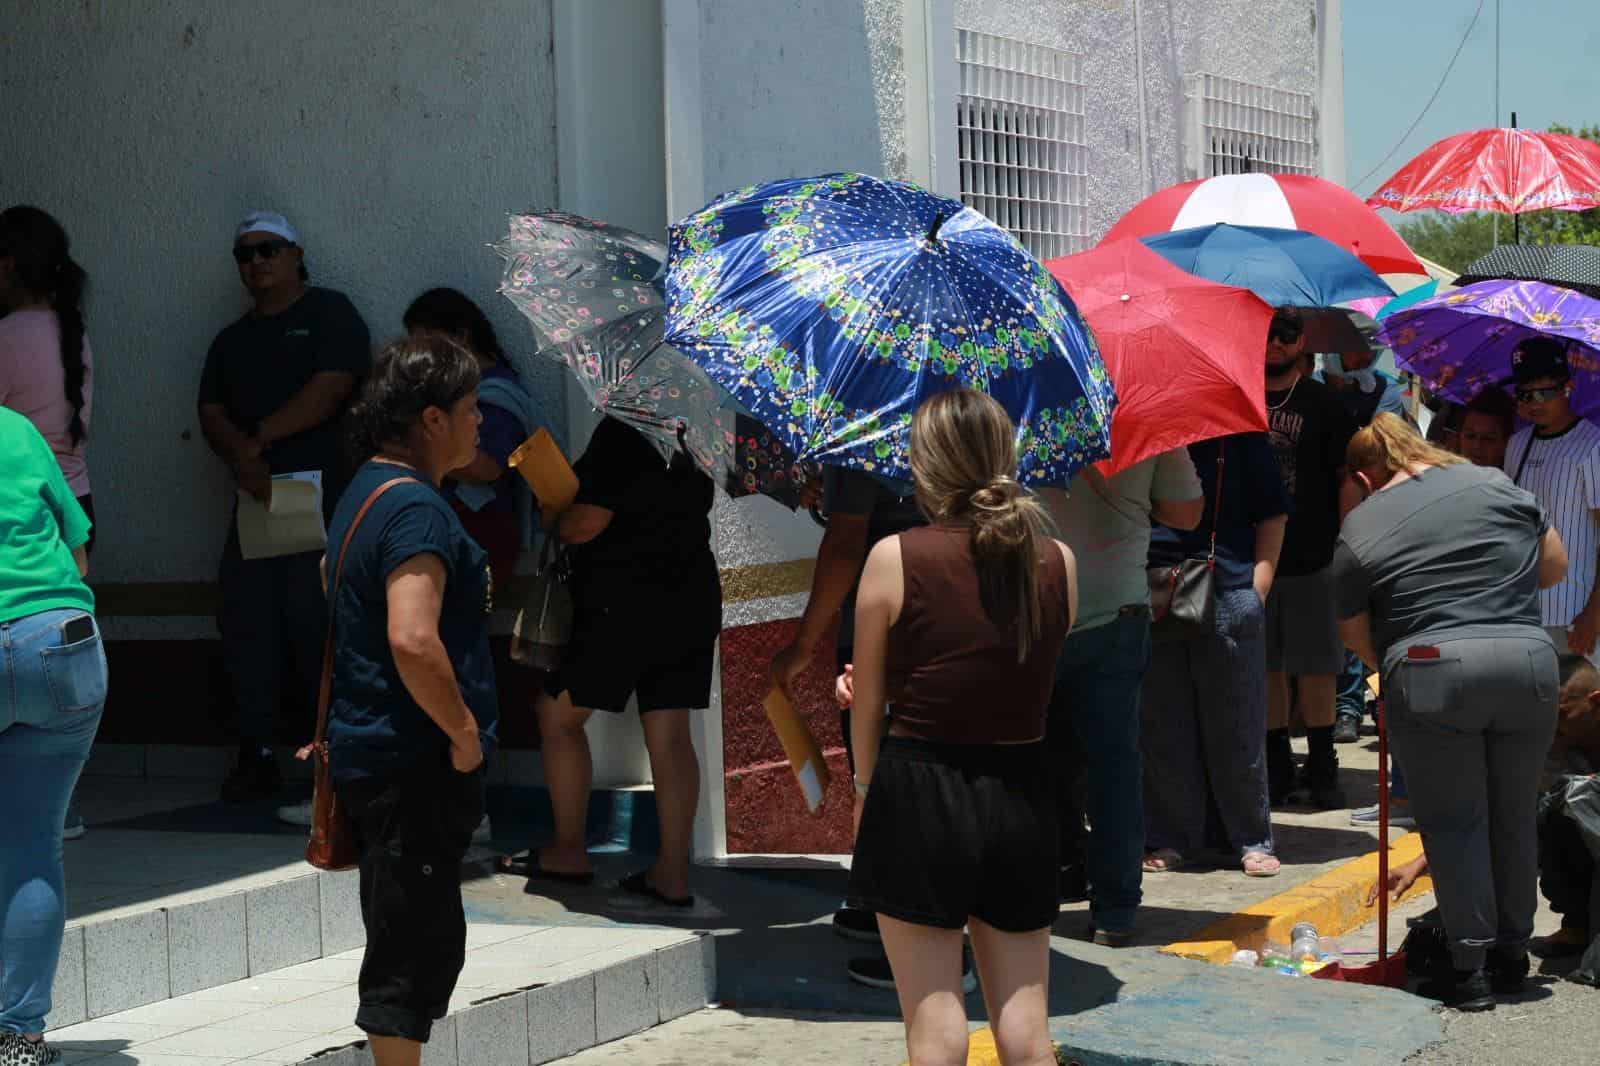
964	462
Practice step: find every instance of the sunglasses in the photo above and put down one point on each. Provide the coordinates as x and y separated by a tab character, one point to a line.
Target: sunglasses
1285	332
243	253
1540	395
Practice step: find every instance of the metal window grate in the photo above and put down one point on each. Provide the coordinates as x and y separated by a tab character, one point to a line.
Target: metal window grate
1020	141
1238	128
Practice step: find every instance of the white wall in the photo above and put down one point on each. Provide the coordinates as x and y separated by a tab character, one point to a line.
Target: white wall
1268	42
395	133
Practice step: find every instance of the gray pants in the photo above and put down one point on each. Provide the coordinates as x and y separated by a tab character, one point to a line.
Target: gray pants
1472	728
1204	734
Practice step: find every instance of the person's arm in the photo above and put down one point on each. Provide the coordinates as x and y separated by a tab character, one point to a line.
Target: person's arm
1401	878
231	444
1269	545
878	604
318	400
582	522
483	470
414	593
1177	499
499	433
839	561
1071	562
1356	633
80	555
1552	560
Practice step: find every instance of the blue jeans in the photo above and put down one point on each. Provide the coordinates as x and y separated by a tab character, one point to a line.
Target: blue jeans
1094	733
51	696
1351	701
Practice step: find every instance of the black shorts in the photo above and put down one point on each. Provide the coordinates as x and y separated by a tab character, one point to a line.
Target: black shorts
414	829
952	831
625	650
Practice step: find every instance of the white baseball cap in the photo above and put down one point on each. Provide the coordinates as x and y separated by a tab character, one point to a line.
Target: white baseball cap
267	222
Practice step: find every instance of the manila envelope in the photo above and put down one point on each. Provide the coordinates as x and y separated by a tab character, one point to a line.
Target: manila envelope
805	758
547	472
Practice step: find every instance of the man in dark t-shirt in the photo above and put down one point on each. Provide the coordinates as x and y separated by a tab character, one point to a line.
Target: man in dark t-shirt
272	392
1309	429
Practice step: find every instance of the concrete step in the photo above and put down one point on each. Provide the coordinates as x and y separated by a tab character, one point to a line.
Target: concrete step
528	995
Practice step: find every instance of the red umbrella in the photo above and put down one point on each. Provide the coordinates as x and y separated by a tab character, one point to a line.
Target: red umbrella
1508	170
1283	201
1184	353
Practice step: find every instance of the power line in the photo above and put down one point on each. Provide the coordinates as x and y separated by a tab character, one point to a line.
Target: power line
1437	89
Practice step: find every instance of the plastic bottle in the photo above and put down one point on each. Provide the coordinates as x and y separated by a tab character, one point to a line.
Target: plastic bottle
1274	956
1304	947
1328	950
1301	931
1245	957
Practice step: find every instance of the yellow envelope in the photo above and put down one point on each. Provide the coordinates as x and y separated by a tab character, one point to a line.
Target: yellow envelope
547	472
805	758
1372	683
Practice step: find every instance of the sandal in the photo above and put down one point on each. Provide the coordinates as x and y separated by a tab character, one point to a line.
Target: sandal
1162	861
527	865
639	885
1260	864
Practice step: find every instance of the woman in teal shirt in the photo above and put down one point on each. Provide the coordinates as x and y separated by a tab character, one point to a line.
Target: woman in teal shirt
52	690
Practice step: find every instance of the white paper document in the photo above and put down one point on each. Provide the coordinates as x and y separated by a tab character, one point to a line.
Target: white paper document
290	523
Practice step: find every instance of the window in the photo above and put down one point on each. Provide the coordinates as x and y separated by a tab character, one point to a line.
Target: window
1234	127
1020	141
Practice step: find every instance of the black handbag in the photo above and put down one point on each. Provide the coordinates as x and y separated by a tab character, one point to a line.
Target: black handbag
543	628
1183	597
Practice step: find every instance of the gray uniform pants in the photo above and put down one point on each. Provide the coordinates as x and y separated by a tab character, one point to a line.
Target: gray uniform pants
1472	728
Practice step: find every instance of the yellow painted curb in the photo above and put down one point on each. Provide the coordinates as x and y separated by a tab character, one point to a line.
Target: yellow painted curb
1334	902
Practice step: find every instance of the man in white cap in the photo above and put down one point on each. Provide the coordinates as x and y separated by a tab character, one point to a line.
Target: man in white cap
275	385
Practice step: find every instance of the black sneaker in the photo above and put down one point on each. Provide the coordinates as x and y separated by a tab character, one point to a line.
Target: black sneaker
256	777
1346	729
1466	990
1508	970
856	925
18	1050
874	972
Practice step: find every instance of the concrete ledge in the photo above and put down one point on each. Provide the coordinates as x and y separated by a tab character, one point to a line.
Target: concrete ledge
1335	902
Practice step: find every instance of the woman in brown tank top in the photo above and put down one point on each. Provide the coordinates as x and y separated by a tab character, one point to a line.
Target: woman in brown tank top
958	627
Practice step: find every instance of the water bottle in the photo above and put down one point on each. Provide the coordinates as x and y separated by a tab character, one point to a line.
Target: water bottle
1245	957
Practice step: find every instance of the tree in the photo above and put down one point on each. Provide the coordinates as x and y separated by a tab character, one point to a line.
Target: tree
1456	241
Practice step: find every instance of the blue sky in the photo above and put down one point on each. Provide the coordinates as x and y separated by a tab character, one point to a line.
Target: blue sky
1396	50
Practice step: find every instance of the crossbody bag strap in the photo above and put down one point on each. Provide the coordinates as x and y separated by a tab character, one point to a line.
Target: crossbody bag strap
1216	511
325	689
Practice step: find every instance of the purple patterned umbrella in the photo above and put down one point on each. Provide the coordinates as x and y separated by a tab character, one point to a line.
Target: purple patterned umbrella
1461	342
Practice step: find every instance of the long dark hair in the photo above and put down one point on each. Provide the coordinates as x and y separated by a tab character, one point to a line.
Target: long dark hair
453	313
409	376
38	245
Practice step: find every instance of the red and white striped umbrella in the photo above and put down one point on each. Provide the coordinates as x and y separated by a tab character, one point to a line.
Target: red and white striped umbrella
1282	201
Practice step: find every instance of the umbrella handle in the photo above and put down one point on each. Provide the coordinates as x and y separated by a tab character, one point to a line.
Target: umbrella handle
1383	833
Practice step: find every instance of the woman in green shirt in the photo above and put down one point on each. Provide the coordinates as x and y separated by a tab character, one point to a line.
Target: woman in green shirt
52	689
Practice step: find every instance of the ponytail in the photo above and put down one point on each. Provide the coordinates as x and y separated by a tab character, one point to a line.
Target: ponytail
38	245
964	461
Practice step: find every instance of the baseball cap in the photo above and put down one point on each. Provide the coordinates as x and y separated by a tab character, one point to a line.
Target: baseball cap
1539	357
267	222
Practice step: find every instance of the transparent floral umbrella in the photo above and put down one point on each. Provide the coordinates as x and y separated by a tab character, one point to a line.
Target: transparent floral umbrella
592	294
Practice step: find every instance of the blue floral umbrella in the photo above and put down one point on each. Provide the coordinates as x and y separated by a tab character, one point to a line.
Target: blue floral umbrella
831	307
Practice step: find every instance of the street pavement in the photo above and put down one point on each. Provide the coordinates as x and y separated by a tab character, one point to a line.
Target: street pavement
784	996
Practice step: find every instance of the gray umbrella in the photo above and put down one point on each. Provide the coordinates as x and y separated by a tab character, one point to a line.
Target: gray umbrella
1572	266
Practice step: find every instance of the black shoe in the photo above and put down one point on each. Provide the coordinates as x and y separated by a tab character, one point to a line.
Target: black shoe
1467	990
1346	729
1319	785
1074	883
255	778
856	925
1508	970
874	972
